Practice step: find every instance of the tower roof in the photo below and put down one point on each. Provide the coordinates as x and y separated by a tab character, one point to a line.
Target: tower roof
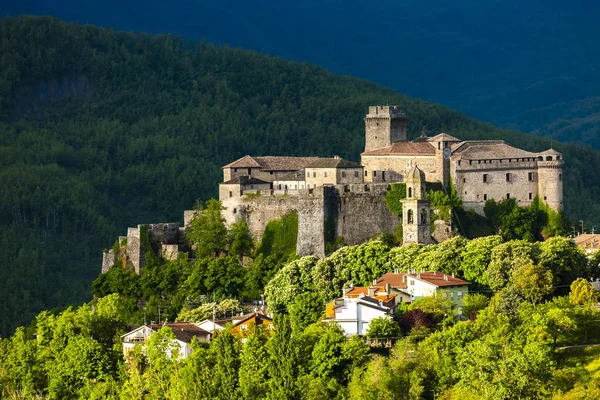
443	137
551	152
415	175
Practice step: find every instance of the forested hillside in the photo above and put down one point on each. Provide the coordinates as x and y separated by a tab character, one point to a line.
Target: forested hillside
101	130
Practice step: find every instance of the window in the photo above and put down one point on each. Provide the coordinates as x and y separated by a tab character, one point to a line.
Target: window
314	174
235	170
545	198
308	174
249	171
383	176
279	186
423	216
530	176
230	194
470	162
235	210
409	216
549	158
452	295
412	282
366	173
243	327
484	178
374	173
508	177
560	177
484	196
459	163
270	172
325	174
464	180
439	146
460	295
343	174
508	195
356	174
530	196
409	192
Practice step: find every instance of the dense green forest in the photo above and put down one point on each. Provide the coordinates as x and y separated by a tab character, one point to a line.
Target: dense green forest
100	130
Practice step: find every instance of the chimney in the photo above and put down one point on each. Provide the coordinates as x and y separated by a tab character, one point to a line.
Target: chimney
403	278
419	275
396	271
434	272
374	281
388	288
371	291
336	157
453	274
346	290
445	277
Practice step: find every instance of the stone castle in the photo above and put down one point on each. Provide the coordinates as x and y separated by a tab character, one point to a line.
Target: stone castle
350	197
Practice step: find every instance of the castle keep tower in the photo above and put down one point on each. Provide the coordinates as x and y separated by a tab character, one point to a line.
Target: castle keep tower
550	178
416	216
384	125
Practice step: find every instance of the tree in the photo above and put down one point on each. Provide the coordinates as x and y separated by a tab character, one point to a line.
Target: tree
283	361
583	293
564	259
240	240
505	259
473	303
383	327
254	366
207	230
306	309
291	281
533	281
477	256
225	348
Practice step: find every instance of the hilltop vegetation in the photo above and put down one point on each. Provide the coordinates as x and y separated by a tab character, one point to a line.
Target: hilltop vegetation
100	130
507	348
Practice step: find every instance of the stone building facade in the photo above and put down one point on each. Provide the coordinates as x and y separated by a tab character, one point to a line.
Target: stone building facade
332	192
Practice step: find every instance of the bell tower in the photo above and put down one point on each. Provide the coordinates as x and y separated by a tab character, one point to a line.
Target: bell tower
416	215
384	125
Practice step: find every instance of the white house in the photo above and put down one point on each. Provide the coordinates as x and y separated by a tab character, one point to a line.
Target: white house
183	331
422	284
359	306
211	326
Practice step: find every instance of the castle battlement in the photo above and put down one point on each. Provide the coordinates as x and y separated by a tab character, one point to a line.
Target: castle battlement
386	112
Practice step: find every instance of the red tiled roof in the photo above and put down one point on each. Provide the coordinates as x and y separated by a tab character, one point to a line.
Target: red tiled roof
403	148
438	279
272	163
184	331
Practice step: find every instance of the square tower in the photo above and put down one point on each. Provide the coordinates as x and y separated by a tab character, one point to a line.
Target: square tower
384	125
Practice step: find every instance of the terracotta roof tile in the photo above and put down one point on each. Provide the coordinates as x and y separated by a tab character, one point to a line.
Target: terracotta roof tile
184	331
435	278
332	163
489	150
403	148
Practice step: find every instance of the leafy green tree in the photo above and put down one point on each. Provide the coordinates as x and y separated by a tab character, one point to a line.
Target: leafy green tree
533	281
477	256
207	230
383	327
402	258
583	293
393	198
241	243
225	348
473	303
254	365
505	259
292	280
564	259
306	309
283	361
